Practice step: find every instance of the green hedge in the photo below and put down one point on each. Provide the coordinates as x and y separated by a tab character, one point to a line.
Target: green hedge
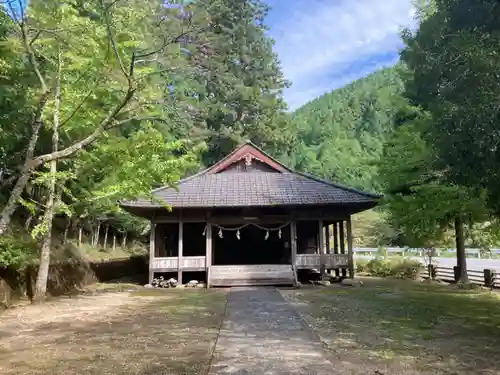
383	267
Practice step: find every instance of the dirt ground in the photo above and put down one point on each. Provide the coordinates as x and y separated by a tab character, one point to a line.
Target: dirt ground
405	328
149	332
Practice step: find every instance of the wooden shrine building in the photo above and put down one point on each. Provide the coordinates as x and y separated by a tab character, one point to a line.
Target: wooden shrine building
250	220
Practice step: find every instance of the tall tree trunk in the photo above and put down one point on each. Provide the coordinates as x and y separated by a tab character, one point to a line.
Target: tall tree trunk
27	223
96	239
80	231
105	244
114	242
460	245
43	269
124	240
36	124
66	230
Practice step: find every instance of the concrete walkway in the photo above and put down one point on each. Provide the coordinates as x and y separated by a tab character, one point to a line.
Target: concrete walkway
263	335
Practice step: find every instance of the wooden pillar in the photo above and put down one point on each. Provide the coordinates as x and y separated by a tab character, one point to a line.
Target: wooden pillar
350	252
179	256
321	250
327	237
208	255
293	247
336	244
152	237
342	244
327	243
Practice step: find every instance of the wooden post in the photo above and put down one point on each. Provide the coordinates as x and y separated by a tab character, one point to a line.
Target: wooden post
342	244
327	237
208	255
152	236
350	252
179	256
336	244
321	250
489	278
293	247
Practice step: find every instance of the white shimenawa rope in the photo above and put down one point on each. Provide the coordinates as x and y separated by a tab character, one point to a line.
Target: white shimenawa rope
237	229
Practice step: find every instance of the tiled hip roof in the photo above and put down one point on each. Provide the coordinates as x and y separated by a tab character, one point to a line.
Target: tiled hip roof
246	189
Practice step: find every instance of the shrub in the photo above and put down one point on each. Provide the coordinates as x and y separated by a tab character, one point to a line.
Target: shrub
362	266
17	250
382	267
407	269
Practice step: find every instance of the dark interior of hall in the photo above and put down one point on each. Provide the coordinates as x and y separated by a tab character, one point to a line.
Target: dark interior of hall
252	247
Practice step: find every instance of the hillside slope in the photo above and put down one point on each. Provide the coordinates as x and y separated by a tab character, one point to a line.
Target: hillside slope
341	134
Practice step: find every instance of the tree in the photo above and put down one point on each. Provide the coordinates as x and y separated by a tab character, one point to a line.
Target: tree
107	85
341	134
423	205
238	80
454	62
95	66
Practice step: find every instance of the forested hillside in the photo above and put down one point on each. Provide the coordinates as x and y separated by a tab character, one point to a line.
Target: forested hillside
342	133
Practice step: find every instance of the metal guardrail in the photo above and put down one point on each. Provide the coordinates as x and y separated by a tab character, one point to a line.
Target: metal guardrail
403	250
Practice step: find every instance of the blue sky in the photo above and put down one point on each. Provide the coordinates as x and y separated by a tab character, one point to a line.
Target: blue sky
325	44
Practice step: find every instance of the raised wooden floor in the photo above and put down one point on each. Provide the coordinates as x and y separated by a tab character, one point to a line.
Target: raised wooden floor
249	275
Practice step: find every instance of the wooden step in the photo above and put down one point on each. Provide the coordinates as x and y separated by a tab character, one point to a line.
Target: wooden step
250	282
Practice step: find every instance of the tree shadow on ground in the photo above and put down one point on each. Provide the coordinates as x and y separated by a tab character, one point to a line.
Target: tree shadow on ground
406	327
164	332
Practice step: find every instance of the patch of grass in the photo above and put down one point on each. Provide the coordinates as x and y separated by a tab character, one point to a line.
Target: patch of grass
404	326
98	253
159	332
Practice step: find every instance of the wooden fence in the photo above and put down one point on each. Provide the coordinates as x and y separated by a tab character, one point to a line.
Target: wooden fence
487	277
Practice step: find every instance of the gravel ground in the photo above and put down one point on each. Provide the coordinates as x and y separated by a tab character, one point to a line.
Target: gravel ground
149	332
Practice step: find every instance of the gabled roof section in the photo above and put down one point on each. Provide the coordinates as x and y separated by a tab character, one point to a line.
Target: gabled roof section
247	152
280	186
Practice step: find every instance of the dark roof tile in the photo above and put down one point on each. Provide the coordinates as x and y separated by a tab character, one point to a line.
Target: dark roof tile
243	189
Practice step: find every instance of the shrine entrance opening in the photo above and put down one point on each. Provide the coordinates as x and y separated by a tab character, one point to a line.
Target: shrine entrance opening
251	245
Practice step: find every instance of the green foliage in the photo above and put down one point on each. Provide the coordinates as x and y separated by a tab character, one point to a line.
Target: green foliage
341	134
17	249
454	62
372	229
396	267
237	82
421	202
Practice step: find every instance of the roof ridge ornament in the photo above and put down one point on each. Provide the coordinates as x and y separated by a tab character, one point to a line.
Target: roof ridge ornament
248	159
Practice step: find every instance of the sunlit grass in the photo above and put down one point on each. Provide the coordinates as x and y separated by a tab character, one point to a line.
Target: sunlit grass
396	322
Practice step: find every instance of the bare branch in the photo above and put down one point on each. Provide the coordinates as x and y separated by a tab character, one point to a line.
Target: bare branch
106	124
75	111
112	41
140	118
28	48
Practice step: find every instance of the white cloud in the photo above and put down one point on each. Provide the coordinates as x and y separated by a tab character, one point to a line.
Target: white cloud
319	39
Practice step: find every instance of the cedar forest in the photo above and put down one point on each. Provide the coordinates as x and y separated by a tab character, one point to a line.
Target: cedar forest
101	100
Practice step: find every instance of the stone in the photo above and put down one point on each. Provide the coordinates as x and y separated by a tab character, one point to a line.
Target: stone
148	286
352	282
193	283
200	285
